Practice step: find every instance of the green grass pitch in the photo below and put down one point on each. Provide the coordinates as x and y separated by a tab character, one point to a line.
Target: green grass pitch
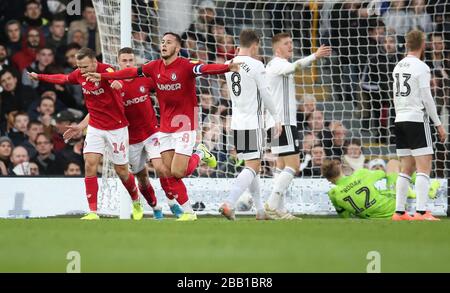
217	245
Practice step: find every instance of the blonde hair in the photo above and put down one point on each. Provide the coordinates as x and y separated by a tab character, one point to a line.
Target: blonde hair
414	40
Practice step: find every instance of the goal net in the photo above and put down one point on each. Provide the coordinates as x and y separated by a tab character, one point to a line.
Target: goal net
345	106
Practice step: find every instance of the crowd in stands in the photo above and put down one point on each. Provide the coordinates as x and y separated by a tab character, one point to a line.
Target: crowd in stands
39	36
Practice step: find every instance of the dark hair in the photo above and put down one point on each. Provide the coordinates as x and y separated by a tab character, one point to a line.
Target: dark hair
72	46
247	38
33	122
278	37
46	48
46	98
58	17
21	113
44	135
354	141
125	50
177	36
6	70
85	52
33	2
67	164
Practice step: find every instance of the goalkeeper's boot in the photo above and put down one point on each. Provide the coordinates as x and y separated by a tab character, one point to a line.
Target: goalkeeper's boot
187	217
434	187
228	212
91	216
399	217
176	210
425	217
208	157
138	210
411	193
157	213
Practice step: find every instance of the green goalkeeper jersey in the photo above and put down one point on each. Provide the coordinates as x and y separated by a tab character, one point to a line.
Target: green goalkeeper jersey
357	195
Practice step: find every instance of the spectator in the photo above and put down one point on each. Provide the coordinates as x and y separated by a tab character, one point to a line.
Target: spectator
33	128
72	152
70	65
353	158
19	155
15	97
334	149
6	147
309	140
421	20
26	169
45	158
44	57
206	103
306	106
4	60
397	20
33	17
316	124
62	120
33	109
89	28
57	40
317	157
143	46
46	110
14	35
376	84
78	37
72	169
27	55
17	133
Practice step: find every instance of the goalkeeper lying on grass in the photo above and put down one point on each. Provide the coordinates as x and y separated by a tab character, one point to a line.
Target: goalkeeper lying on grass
357	194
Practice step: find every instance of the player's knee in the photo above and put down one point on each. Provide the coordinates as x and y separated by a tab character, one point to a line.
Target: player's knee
121	170
90	167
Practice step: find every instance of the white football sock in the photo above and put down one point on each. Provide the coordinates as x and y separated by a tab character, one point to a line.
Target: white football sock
421	187
401	191
240	184
171	202
280	186
187	208
255	191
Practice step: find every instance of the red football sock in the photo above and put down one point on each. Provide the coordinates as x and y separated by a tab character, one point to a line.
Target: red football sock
166	187
130	186
192	165
149	193
179	190
91	184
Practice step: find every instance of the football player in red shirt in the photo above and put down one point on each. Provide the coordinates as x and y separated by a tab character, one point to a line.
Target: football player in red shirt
176	92
108	127
143	132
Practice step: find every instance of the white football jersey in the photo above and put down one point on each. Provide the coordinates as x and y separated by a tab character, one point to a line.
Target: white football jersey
410	75
245	88
280	74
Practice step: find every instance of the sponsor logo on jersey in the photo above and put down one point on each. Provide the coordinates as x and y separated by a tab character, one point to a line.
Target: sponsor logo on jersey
158	76
109	69
195	61
134	101
169	86
173	76
97	92
96	84
142	89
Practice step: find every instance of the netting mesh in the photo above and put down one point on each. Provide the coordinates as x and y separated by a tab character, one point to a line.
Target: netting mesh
347	96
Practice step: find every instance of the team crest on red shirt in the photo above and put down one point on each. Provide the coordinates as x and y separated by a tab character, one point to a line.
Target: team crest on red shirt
96	84
173	77
142	89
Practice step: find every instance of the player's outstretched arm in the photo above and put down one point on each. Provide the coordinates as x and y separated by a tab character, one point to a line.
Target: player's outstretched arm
50	78
217	68
126	73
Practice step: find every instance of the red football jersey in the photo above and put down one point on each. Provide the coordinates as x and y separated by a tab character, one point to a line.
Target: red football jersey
175	90
103	103
139	109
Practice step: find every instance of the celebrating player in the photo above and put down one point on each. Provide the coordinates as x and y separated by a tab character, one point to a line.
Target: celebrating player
280	75
413	104
176	94
107	127
250	93
143	132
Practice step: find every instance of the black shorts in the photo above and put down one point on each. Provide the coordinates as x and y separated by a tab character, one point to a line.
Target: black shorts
249	143
287	143
413	139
